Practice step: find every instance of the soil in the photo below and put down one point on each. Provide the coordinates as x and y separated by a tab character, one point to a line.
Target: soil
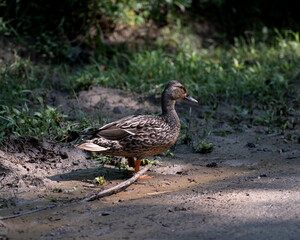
248	187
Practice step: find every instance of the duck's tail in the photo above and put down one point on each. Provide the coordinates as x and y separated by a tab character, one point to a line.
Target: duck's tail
89	146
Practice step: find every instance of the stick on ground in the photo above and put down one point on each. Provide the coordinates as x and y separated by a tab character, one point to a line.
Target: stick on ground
30	212
118	187
93	197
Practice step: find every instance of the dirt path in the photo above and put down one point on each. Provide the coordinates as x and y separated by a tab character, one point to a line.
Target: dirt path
247	188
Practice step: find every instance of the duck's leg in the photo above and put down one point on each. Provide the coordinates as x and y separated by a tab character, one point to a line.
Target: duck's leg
131	162
137	165
137	168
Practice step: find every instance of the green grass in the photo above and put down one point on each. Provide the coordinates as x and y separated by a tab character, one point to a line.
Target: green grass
246	74
249	75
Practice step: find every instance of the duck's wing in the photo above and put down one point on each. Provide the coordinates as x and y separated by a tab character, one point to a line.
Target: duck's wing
122	128
111	131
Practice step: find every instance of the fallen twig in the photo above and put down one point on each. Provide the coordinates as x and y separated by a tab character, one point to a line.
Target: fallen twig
30	212
98	195
118	187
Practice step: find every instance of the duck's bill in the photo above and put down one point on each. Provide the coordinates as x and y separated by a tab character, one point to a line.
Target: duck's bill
189	98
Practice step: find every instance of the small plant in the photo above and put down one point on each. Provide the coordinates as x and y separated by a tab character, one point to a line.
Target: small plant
99	180
155	160
202	147
239	114
122	166
102	159
283	127
292	137
169	153
185	138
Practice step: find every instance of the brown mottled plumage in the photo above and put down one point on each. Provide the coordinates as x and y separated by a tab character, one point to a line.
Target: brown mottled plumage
141	136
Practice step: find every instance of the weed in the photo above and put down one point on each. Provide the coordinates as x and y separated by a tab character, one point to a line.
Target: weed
202	147
155	160
240	114
291	137
101	158
21	121
185	138
99	180
169	153
207	129
122	166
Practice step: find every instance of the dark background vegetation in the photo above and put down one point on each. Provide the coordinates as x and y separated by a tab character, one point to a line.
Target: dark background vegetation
243	53
70	18
62	24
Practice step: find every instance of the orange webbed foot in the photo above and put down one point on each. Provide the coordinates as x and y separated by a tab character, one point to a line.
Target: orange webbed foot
145	177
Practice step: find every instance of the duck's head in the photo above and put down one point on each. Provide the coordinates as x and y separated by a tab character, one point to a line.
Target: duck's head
175	90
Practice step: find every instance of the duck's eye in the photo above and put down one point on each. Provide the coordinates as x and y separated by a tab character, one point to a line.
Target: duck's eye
183	88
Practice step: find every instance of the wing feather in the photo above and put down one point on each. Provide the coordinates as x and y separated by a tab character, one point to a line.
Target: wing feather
126	126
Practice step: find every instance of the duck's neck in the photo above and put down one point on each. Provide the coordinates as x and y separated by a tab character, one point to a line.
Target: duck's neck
168	110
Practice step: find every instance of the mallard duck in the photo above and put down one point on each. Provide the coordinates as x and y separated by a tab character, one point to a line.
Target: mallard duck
141	136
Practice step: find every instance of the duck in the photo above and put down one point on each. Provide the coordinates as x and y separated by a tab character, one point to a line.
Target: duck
140	136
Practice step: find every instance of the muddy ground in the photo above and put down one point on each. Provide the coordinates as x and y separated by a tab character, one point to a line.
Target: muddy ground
248	187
